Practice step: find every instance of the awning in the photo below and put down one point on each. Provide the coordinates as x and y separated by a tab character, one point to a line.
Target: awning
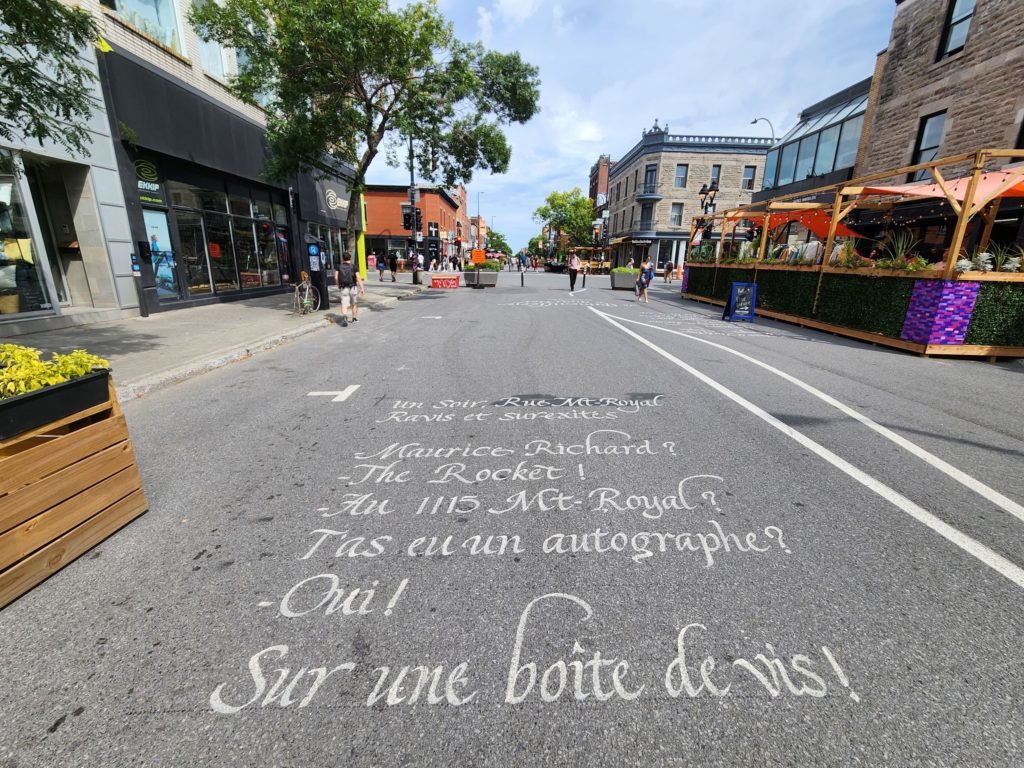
815	219
990	185
617	240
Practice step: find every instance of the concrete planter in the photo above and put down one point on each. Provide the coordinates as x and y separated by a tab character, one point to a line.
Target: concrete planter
624	281
481	278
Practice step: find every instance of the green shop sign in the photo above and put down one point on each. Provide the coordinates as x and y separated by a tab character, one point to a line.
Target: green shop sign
150	185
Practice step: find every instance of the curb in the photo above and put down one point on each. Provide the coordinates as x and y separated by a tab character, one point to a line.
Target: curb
137	389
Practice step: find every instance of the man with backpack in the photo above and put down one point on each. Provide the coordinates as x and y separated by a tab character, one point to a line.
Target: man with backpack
350	285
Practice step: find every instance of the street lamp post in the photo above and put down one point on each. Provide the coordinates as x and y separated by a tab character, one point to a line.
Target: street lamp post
707	207
478	193
770	126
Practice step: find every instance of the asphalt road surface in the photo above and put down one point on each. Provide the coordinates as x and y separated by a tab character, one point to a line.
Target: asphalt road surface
518	527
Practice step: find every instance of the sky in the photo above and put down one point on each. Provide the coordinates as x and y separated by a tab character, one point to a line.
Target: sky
609	69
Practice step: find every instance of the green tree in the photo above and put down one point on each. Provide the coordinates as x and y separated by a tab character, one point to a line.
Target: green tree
570	214
343	81
497	242
45	86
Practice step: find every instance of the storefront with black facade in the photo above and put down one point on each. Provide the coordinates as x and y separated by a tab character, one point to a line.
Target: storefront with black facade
207	225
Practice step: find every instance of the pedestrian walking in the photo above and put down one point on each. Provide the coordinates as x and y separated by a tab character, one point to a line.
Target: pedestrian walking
393	265
350	285
645	278
381	265
574	268
669	267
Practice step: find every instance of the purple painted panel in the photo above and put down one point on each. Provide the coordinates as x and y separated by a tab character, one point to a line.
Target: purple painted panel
939	311
686	279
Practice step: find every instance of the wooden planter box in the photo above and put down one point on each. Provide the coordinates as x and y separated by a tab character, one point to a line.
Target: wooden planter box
624	281
65	486
481	278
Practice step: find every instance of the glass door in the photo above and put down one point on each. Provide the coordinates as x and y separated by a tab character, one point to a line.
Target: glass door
192	247
221	250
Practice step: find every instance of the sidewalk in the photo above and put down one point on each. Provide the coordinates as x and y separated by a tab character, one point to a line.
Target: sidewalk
146	353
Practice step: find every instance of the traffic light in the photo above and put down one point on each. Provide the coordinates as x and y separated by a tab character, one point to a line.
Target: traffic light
418	223
406	218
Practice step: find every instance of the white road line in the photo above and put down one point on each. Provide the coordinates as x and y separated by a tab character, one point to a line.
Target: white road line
339	396
431	317
989	557
972	483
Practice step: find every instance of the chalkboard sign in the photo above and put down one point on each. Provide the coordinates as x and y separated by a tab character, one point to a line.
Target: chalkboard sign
741	303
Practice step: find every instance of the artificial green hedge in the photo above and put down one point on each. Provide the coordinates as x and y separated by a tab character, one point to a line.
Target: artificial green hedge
874	304
700	280
789	292
726	277
998	317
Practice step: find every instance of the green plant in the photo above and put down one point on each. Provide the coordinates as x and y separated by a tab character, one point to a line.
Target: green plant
492	265
1006	258
624	270
22	369
901	244
974	261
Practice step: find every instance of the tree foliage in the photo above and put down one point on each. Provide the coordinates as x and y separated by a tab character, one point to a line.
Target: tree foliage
44	84
497	242
570	214
343	81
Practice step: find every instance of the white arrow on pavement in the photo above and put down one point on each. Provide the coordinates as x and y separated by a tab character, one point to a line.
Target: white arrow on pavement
338	396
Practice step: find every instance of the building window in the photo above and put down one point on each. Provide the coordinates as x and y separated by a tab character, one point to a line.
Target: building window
929	137
716	173
805	157
771	163
1020	137
954	33
153	17
650	178
748	176
828	141
677	215
849	140
682	171
787	164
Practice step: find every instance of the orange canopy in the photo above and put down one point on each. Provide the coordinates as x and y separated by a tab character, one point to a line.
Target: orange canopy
990	184
815	219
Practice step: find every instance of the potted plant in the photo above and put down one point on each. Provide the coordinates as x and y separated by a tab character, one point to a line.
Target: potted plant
483	275
68	476
624	278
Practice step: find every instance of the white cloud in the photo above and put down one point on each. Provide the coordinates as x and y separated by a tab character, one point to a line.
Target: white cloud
702	66
485	24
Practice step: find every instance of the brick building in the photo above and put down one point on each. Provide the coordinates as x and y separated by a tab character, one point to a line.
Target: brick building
599	172
653	191
443	229
951	80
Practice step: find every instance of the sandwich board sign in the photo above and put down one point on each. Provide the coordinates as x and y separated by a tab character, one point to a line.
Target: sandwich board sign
741	303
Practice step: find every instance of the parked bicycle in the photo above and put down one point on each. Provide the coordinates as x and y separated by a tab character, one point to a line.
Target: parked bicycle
307	297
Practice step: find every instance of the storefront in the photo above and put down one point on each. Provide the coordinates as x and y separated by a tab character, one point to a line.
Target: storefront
206	224
65	252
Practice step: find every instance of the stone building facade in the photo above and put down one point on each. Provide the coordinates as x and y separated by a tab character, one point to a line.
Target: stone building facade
654	189
950	81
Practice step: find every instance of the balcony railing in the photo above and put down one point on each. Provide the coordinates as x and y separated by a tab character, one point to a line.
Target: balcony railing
647	191
644	225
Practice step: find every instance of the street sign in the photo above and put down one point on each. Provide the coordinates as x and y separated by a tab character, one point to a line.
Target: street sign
479	256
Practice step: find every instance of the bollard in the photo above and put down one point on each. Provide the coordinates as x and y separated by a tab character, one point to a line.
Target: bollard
522	279
584	279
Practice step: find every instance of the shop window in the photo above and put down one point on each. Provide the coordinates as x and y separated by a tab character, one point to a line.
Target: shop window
22	284
155	18
954	33
929	137
221	251
188	196
240	205
269	253
749	172
193	252
682	172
